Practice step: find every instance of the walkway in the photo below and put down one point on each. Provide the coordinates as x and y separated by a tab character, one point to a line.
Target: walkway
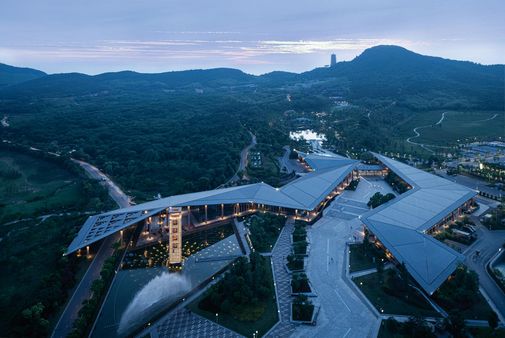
488	243
284	328
83	290
185	324
342	313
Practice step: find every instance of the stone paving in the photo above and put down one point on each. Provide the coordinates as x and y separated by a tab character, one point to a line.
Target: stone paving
185	324
283	283
342	313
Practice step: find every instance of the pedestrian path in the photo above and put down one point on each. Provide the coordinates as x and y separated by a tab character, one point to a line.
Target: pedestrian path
342	312
185	324
282	281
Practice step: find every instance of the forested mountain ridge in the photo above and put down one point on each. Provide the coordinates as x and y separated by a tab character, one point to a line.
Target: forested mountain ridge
382	72
10	75
183	131
418	81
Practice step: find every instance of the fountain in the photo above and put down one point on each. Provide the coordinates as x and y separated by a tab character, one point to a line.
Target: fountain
159	291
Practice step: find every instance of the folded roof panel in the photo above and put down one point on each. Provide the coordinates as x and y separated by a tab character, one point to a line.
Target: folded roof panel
401	223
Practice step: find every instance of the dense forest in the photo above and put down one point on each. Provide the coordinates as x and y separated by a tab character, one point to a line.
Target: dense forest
177	132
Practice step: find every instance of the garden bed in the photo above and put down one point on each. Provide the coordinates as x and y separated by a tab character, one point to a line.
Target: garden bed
461	294
410	303
295	263
300	248
302	310
261	316
300	284
265	229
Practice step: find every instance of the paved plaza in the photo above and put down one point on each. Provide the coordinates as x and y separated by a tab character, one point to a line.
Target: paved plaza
342	313
185	324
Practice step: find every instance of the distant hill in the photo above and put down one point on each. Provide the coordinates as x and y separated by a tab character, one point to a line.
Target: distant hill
10	75
382	72
396	73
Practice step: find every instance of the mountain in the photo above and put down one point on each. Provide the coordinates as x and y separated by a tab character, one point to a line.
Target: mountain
75	84
380	73
392	72
10	75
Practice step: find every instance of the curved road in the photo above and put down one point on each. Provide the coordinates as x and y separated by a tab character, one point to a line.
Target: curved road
243	161
417	134
83	290
489	243
424	145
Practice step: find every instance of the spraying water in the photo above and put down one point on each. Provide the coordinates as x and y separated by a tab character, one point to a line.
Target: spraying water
161	290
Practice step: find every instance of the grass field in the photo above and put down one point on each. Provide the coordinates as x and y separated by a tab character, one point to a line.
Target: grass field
32	268
479	311
370	285
262	325
462	126
29	186
359	261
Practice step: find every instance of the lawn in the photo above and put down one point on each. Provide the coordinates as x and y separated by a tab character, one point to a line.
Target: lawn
480	310
384	332
463	126
358	260
246	328
385	303
29	186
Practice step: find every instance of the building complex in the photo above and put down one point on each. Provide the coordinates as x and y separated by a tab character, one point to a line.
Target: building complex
403	226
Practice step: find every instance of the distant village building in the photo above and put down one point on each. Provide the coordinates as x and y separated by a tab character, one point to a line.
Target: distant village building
333	61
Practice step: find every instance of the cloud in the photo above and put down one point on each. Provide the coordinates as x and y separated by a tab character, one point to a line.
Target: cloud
196	48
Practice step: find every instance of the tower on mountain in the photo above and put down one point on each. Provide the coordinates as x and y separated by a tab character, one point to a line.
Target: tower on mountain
333	61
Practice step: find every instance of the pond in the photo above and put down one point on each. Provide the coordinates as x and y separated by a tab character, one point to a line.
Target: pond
307	135
136	295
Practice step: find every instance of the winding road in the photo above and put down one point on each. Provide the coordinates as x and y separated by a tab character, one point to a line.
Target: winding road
424	145
83	290
243	161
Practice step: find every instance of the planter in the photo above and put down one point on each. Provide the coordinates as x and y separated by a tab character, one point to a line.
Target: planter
307	321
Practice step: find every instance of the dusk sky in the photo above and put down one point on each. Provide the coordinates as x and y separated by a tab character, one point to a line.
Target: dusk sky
256	36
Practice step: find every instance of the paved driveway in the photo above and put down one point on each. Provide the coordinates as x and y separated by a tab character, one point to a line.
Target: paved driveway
487	244
342	313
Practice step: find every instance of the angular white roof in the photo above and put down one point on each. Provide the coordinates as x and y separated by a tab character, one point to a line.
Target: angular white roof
325	161
303	194
401	223
313	188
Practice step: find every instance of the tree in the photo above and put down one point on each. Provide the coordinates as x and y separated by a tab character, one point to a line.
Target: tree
492	319
35	324
417	327
455	324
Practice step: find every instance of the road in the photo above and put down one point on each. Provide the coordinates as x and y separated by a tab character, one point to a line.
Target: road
417	134
290	165
83	290
488	244
471	182
243	161
115	192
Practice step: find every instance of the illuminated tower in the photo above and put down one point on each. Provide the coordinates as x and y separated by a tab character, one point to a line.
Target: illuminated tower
175	233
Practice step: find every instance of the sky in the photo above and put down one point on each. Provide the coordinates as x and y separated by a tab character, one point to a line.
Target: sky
259	36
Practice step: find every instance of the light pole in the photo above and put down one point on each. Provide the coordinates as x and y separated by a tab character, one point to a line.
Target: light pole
217	317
